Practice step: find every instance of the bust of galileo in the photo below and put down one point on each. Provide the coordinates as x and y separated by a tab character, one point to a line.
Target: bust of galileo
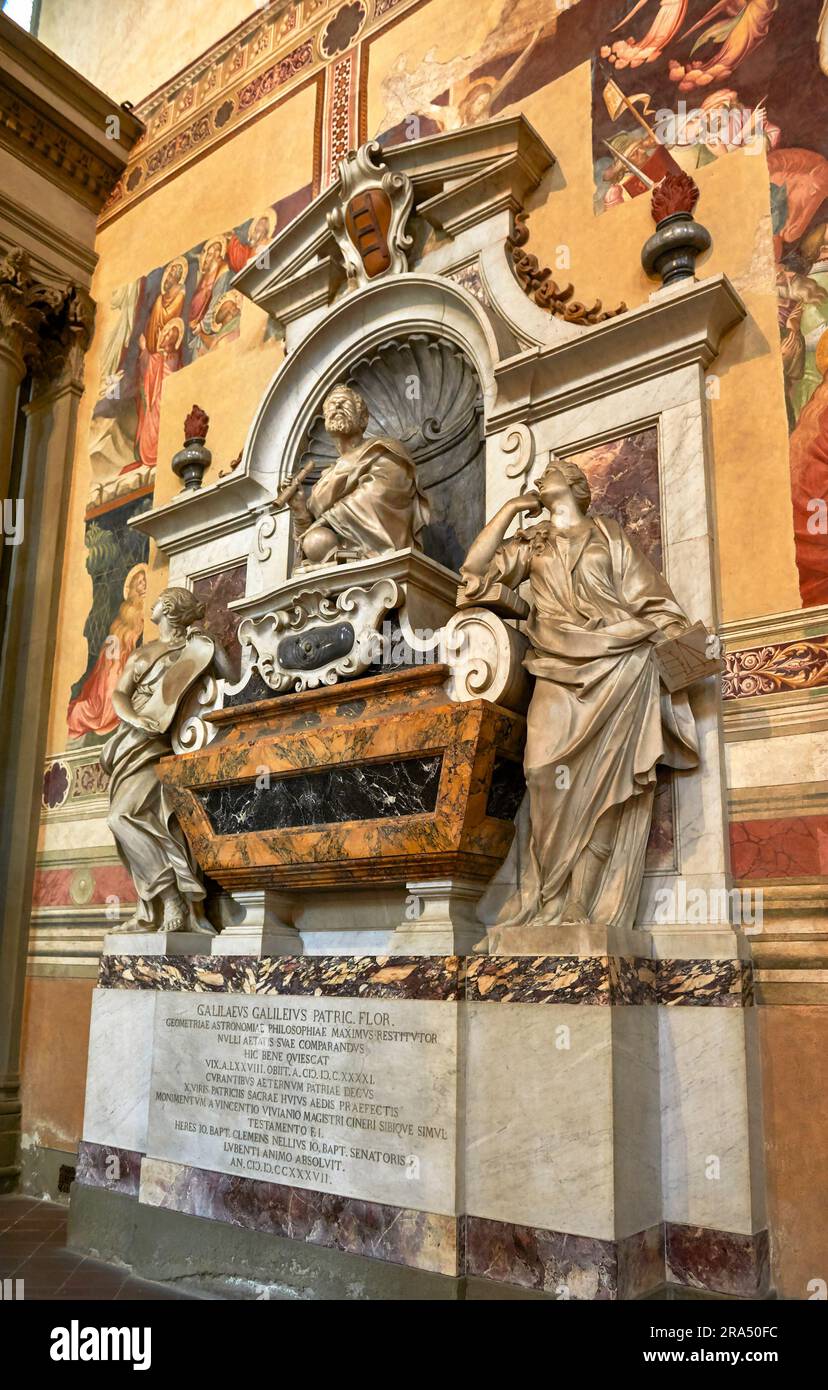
368	501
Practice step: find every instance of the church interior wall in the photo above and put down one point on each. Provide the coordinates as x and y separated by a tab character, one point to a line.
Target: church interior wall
370	71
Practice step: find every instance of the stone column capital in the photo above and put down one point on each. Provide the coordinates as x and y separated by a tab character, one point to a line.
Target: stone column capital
43	328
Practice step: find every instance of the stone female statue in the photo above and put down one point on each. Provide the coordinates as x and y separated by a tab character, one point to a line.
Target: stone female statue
599	720
155	680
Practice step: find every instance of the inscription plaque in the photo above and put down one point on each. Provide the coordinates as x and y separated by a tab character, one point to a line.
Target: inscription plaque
345	1095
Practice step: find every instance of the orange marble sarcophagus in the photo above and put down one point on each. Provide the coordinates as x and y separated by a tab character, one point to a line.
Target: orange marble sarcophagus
378	780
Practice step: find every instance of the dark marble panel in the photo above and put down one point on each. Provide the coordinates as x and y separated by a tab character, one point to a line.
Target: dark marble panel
424	1240
215	591
331	796
574	1267
597	980
640	1262
723	983
199	974
633	980
315	647
507	789
718	1261
367	977
105	1165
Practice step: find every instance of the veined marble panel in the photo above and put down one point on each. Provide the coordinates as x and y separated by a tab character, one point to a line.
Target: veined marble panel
571	1267
724	1262
198	974
353	1096
108	1166
560	979
524	979
421	1239
118	1071
711	1157
545	1117
367	977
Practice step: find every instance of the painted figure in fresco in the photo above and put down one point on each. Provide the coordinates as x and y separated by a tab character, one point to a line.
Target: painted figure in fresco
155	365
222	324
806	372
471	99
152	686
599	721
261	233
214	279
91	711
742	24
168	305
366	503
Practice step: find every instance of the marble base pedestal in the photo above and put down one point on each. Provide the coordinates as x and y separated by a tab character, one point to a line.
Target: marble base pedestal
440	919
569	1125
257	922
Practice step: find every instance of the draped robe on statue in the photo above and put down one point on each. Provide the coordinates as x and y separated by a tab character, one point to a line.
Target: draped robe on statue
141	817
598	723
371	499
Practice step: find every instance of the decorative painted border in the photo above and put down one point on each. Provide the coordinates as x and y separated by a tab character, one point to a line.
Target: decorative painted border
594	980
775	667
264	61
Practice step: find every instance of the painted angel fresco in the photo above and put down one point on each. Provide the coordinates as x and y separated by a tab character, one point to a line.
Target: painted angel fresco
474	86
739	25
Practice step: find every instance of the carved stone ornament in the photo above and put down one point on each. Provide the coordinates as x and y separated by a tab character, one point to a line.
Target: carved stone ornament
48	326
319	637
545	291
369	223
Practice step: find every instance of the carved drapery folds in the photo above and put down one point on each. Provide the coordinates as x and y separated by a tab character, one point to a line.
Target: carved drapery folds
49	327
545	291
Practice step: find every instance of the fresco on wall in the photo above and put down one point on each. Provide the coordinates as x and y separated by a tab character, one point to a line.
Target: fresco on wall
159	324
681	83
116	561
676	84
528	46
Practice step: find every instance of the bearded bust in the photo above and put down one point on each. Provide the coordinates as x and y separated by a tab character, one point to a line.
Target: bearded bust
367	502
